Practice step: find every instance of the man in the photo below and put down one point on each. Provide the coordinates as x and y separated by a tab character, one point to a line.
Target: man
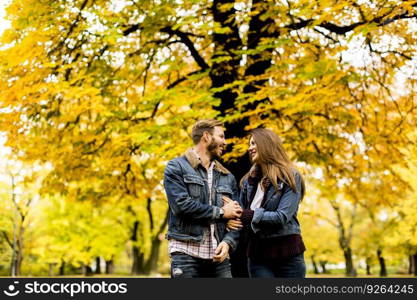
195	184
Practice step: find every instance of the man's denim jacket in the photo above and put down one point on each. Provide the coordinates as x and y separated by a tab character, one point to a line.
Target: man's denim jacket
186	186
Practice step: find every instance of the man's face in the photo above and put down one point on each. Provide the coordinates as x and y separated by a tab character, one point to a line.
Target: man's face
217	145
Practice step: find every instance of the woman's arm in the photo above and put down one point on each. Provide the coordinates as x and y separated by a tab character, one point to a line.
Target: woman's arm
286	209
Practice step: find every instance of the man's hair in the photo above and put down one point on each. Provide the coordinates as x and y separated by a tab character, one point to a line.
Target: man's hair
204	125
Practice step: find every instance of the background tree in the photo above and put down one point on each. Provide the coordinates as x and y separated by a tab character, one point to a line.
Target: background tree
106	91
404	234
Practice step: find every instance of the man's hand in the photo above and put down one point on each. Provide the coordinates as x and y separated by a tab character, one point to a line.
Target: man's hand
231	208
233	224
221	252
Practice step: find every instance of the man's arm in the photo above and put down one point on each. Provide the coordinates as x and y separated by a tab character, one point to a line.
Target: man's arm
180	202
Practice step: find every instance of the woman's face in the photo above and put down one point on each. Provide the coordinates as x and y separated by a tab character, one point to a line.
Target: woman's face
253	150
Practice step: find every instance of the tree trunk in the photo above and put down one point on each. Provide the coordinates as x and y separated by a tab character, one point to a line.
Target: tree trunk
138	261
20	247
350	269
62	268
410	265
109	266
17	256
415	264
98	266
138	256
51	269
383	269
313	261
152	263
87	271
368	266
13	265
225	66
345	238
16	263
19	262
323	266
224	71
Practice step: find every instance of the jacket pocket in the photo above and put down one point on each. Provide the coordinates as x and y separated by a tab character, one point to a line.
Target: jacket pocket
195	185
223	191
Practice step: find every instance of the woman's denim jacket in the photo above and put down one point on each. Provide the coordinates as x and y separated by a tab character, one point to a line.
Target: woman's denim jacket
277	216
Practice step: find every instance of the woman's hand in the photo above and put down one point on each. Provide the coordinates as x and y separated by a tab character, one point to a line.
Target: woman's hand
233	224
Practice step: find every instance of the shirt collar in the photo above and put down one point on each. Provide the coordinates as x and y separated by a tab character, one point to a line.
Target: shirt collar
212	163
191	156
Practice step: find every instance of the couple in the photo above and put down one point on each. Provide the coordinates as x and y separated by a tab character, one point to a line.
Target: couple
208	217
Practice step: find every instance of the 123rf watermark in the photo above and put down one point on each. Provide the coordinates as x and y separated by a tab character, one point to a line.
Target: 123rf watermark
393	289
72	289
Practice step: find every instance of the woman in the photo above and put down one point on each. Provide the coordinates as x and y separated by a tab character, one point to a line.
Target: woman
270	195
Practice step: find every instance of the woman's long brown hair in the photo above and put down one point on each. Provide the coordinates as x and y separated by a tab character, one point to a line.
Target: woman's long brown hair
273	160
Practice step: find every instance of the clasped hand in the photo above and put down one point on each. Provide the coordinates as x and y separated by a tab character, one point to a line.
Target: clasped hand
234	212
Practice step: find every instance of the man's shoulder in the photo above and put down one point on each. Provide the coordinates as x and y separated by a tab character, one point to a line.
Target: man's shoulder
179	162
174	160
174	163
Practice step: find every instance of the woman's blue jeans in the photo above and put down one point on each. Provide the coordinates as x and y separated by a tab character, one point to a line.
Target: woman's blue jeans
293	267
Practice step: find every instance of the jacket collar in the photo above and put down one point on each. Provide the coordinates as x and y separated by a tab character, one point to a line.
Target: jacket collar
194	161
255	175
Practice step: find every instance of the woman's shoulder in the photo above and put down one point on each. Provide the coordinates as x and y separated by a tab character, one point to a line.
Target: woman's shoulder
297	177
296	173
245	181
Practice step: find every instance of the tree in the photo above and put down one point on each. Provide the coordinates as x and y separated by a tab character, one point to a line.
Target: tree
404	234
76	233
319	233
103	67
18	197
90	86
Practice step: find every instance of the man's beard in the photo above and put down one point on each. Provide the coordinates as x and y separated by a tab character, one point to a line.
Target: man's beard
212	147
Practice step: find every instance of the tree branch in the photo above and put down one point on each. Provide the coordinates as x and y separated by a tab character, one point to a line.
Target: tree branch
131	29
164	223
345	29
181	79
7	239
92	151
184	37
190	45
72	27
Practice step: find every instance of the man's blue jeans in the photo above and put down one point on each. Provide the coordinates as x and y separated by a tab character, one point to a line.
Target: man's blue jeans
186	266
293	267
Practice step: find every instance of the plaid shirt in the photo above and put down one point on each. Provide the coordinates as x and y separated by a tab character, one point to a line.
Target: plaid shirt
206	248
